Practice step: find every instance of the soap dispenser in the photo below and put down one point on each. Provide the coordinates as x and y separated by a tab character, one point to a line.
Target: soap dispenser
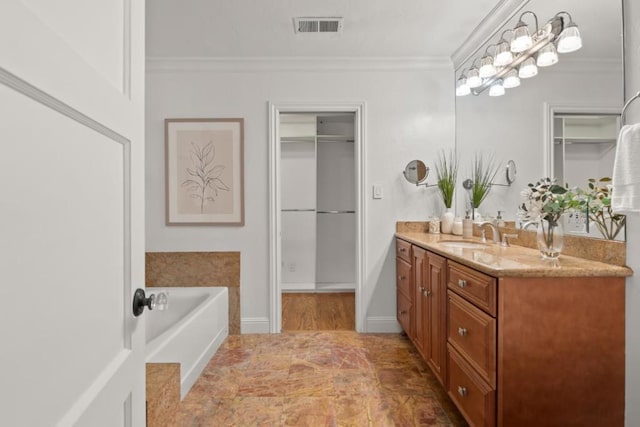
499	221
467	226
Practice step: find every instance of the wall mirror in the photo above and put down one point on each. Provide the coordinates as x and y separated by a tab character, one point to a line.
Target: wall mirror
525	123
416	172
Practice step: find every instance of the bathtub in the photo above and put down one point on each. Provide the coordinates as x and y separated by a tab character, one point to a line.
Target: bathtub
190	331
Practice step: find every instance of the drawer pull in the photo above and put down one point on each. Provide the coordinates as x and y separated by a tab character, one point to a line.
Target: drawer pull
462	391
402	312
427	293
462	332
462	283
401	277
403	249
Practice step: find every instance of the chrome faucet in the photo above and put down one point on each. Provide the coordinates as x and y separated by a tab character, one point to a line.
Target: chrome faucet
494	230
528	224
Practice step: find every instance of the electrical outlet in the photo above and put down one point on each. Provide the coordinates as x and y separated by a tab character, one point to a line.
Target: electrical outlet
292	267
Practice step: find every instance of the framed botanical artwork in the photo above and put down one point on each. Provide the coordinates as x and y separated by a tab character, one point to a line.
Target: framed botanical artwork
204	171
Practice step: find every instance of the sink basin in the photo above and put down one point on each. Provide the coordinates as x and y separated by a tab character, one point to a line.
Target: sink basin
462	244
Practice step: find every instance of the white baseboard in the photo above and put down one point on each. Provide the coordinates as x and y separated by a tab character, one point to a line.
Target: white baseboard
378	324
254	325
383	324
294	287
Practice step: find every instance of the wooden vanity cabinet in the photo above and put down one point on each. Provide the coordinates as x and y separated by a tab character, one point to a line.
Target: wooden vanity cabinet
532	351
404	287
427	302
435	322
517	351
420	291
471	343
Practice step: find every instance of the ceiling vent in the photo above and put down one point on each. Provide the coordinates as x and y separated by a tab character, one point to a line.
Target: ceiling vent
317	25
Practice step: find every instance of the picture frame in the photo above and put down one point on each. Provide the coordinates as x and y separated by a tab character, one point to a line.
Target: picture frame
204	162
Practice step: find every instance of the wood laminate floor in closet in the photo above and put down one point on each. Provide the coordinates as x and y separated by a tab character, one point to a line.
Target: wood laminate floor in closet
333	311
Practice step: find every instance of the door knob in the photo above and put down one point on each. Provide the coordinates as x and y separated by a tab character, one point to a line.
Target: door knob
158	302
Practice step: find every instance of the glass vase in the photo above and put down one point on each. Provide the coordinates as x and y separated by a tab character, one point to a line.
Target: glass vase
550	239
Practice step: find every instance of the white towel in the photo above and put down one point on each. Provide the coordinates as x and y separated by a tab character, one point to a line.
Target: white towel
625	197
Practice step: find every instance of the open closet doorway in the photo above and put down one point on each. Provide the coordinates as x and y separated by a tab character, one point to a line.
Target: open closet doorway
316	207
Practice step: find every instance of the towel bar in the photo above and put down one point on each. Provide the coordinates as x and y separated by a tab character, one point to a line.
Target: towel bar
624	109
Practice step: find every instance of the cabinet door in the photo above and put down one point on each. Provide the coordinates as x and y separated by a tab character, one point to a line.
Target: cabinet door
419	260
436	300
404	295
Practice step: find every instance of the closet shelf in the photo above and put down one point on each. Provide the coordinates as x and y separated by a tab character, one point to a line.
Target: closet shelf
584	140
303	139
320	212
335	138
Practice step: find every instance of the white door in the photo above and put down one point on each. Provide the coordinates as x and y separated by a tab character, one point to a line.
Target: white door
71	212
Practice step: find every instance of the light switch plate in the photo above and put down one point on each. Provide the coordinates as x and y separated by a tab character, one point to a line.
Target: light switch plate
377	191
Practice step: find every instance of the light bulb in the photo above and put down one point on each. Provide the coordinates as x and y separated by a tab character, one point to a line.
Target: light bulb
462	89
511	80
486	67
527	69
473	79
570	39
496	88
503	55
521	38
547	56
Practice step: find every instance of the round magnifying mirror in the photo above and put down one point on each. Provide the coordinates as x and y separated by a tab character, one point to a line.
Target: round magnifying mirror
416	172
511	172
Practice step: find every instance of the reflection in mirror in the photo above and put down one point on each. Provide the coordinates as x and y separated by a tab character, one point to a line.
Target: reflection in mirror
515	125
416	172
584	148
511	172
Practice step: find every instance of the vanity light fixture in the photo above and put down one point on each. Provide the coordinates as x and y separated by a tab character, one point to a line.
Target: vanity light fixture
496	89
462	88
570	39
487	69
503	55
511	80
528	69
522	39
525	53
473	79
547	56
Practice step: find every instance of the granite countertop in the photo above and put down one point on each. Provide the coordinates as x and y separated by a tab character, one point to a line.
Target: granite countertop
512	261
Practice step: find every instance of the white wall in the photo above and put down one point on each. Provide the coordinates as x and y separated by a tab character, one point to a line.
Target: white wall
632	86
512	126
409	115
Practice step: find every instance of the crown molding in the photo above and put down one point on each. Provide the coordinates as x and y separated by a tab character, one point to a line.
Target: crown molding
486	29
257	64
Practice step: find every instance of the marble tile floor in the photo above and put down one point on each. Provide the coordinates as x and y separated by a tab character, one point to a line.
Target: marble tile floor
327	378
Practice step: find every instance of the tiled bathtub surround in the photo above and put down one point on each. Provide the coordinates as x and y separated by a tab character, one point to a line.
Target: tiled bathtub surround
163	393
317	379
198	269
607	251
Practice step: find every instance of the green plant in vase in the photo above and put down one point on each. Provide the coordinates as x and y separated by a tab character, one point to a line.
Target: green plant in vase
447	175
596	204
544	203
483	172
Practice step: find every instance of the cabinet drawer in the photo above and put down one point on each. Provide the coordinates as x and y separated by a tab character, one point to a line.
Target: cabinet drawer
474	286
473	333
403	270
475	399
403	250
404	313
